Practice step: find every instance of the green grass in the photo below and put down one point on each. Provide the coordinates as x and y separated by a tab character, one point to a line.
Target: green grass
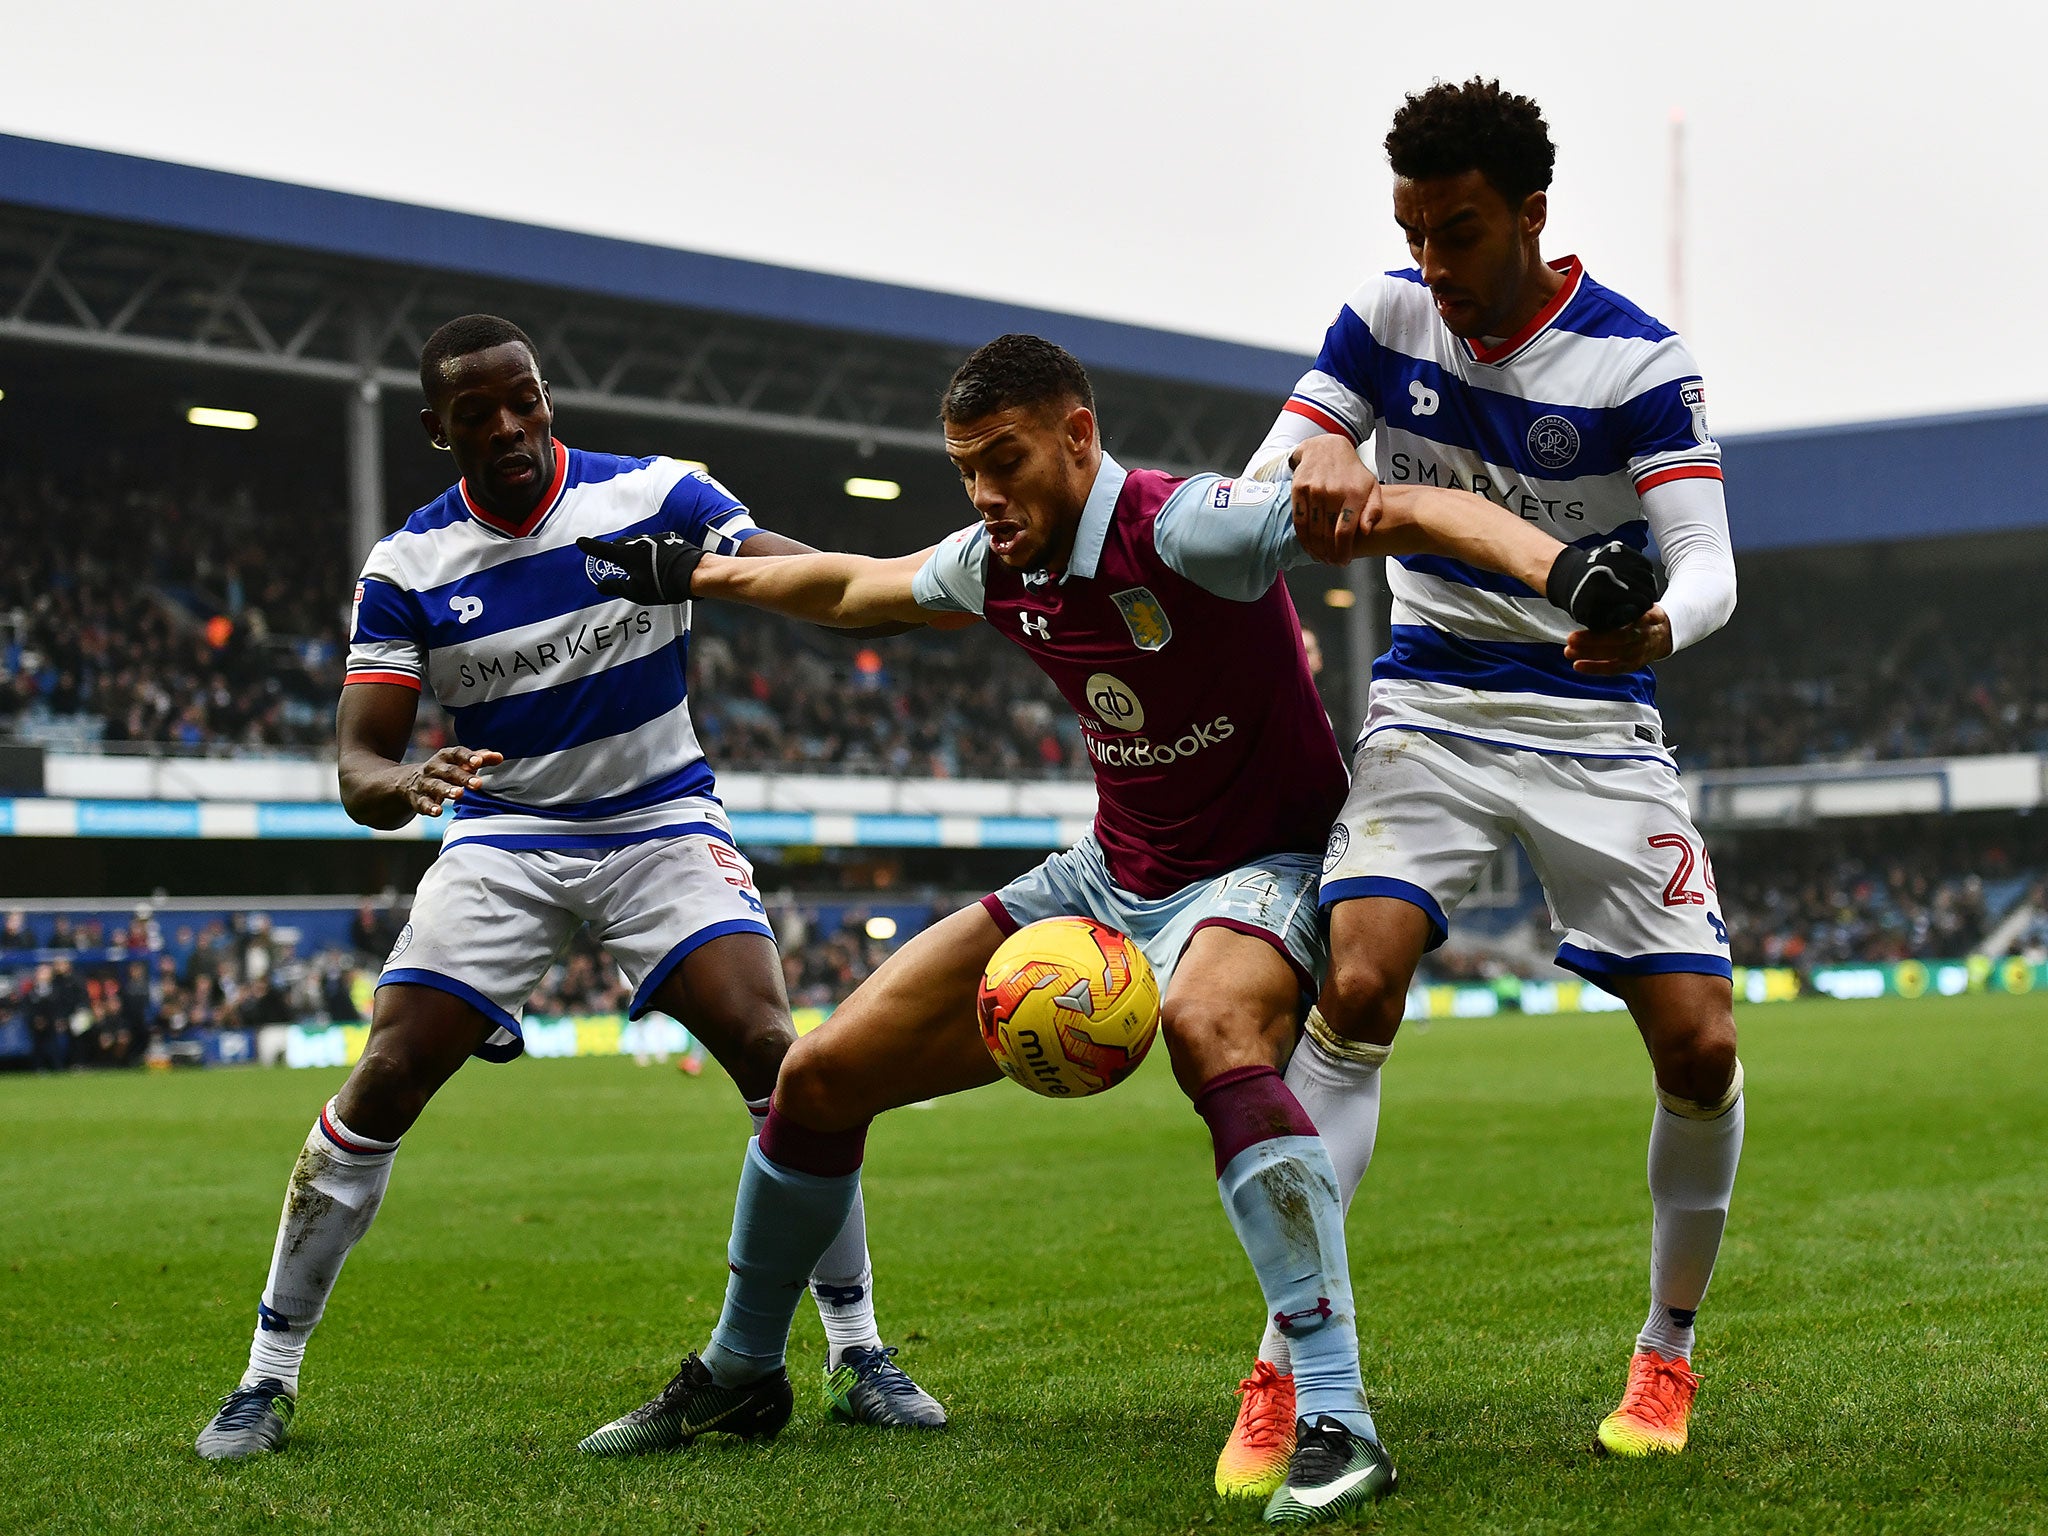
1062	1276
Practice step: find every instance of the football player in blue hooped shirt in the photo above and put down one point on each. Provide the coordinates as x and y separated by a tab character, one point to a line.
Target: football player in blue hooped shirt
579	794
1493	716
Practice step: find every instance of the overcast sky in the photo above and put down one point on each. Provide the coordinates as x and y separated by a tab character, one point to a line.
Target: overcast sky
1869	230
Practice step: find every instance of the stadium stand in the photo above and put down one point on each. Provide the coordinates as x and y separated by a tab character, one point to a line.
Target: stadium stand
1871	664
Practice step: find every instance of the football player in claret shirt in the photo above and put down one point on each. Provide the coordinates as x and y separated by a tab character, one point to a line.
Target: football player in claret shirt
578	794
1157	608
1491	715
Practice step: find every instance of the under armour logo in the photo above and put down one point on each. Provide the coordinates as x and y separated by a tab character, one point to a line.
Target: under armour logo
1038	626
1425	398
466	608
1315	1316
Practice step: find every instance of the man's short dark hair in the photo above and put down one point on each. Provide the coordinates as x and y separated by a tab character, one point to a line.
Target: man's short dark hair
460	337
1450	129
1015	372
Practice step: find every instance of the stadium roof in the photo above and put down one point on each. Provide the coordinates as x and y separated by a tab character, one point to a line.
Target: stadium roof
1876	481
100	184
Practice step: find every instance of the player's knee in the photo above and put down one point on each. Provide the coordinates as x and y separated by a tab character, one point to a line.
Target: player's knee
1697	1064
1363	999
388	1087
1205	1036
806	1089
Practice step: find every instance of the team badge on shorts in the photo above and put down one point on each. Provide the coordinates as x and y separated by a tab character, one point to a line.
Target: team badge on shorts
1339	845
598	569
399	948
1554	441
1144	617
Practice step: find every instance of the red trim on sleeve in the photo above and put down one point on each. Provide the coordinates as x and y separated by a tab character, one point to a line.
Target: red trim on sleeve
402	679
1321	418
1657	477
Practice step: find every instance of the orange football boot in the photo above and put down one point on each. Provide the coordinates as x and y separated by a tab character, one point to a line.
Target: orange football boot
1254	1462
1654	1410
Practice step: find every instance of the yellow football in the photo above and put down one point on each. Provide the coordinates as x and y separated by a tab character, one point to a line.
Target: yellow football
1068	1007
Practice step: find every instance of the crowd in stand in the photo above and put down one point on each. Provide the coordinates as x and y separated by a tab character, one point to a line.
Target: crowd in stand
1806	676
131	615
179	617
1895	891
91	994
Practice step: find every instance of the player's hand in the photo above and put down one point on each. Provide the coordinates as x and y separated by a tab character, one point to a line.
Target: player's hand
1336	498
442	778
652	569
1609	586
1611	652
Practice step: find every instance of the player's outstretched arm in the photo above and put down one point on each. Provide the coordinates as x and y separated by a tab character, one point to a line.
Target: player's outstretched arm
372	728
839	590
1605	587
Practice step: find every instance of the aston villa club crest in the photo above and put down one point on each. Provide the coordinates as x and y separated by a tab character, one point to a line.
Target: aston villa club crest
1144	618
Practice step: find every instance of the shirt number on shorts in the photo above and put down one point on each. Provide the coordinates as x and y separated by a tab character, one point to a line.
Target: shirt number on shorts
736	874
1678	890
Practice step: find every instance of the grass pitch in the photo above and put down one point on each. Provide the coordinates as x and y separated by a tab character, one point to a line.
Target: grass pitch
1062	1277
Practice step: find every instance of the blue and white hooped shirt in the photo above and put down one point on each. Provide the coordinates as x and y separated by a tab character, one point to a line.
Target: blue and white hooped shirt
1566	425
584	694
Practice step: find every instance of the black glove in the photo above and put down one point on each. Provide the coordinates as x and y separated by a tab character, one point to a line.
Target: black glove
652	569
1607	587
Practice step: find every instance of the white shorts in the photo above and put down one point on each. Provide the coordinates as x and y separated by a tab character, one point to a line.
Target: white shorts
1612	840
1273	899
488	921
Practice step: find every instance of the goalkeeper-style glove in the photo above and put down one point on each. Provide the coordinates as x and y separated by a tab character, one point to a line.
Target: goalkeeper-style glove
652	569
1607	587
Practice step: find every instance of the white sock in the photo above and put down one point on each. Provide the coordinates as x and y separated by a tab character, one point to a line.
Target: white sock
1338	1083
843	1283
335	1189
1694	1149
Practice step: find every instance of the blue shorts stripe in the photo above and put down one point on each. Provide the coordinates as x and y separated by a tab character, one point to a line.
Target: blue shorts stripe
1358	886
564	842
643	995
416	977
693	780
1597	967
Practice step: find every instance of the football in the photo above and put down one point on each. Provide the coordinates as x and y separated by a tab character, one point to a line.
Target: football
1068	1007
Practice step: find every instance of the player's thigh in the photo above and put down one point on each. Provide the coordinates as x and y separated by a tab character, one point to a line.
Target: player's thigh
1375	944
1234	1001
1625	870
683	919
419	1038
485	926
1423	817
908	1033
655	904
1687	1021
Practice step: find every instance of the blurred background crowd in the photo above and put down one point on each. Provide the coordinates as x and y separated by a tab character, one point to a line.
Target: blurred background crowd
206	635
202	635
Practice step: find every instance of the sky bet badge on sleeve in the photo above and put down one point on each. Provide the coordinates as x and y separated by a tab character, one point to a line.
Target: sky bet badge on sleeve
1145	619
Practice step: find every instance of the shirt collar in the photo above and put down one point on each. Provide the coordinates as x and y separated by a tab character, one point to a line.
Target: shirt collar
542	508
1096	515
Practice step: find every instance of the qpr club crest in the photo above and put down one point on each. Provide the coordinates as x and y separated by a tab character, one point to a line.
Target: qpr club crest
1554	441
1338	846
598	568
1144	618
